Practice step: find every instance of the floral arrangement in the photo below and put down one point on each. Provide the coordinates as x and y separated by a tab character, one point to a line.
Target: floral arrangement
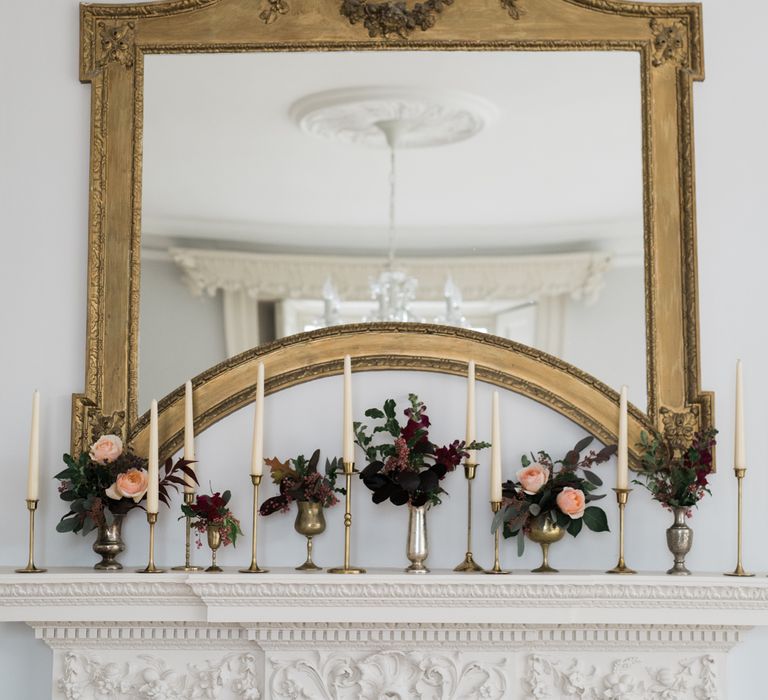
206	511
410	467
109	480
677	479
555	488
299	480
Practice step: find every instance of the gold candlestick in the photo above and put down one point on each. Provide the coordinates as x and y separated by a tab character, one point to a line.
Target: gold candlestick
189	499
469	563
622	496
349	470
739	570
151	568
254	567
496	507
30	568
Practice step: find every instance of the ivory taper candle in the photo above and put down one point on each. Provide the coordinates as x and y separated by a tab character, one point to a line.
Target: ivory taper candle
33	476
189	435
152	487
471	432
257	454
495	450
739	453
622	459
348	454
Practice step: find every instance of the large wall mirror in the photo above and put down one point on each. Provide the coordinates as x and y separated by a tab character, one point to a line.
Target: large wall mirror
270	181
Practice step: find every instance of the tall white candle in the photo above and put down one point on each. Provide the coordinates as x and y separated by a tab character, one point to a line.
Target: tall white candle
189	436
33	476
622	458
257	453
152	497
348	453
495	450
471	432
739	452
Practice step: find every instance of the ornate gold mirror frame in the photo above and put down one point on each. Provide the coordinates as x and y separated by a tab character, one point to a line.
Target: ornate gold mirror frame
114	41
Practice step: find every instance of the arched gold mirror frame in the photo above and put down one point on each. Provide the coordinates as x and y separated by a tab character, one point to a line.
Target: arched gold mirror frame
114	41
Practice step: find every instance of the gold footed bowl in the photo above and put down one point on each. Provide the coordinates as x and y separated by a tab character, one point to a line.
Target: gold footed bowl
310	521
214	542
545	531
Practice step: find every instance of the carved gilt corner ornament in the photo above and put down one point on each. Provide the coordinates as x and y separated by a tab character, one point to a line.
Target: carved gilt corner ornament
116	43
393	19
512	7
274	9
669	42
680	427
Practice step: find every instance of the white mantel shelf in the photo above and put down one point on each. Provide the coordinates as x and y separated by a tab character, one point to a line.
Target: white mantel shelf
383	596
286	635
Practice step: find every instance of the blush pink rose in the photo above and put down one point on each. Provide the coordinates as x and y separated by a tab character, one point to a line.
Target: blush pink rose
532	478
572	502
131	484
106	449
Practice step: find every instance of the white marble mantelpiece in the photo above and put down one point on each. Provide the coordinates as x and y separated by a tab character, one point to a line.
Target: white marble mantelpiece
290	635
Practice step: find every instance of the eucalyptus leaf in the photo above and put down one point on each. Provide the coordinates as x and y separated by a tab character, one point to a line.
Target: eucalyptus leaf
590	476
525	461
67	524
520	543
534	509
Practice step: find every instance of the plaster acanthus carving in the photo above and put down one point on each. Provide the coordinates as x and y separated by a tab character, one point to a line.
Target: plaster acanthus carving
276	276
149	678
116	42
387	674
393	19
622	679
273	10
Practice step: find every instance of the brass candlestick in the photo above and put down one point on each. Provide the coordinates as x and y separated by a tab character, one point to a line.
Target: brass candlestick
739	570
254	567
349	470
30	568
496	507
151	568
622	496
469	564
189	499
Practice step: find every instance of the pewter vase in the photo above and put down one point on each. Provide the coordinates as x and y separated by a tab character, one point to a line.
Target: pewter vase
679	541
418	546
310	521
109	544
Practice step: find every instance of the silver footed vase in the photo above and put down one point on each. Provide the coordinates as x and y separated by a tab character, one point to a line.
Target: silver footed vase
679	541
109	544
418	545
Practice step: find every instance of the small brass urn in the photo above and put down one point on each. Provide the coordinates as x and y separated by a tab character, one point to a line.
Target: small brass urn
310	521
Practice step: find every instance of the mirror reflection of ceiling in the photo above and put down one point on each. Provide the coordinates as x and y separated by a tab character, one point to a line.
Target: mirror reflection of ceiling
227	166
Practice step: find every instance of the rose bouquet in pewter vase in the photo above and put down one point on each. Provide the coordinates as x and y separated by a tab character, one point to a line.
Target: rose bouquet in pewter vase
678	478
102	485
299	480
211	515
552	497
408	468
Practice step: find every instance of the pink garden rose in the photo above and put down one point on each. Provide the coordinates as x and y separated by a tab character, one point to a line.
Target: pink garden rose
532	478
572	502
106	449
130	484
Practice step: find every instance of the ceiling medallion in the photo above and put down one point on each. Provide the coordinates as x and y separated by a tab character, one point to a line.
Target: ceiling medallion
393	19
428	117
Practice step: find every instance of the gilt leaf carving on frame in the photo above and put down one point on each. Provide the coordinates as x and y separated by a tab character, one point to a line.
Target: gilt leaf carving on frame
393	19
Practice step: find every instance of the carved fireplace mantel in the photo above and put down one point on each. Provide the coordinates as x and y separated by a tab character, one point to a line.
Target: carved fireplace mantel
384	635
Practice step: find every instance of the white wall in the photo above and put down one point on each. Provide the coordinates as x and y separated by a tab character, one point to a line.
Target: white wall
43	181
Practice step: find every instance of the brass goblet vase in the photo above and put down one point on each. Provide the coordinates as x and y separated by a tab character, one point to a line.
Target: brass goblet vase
310	521
545	532
213	532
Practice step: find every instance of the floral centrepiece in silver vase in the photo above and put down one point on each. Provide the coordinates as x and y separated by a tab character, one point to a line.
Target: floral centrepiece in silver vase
677	476
408	468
